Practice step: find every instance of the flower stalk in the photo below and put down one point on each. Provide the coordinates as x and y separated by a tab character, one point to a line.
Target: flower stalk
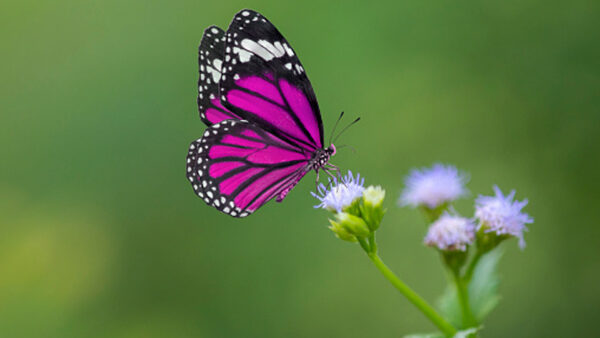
471	267
405	290
468	320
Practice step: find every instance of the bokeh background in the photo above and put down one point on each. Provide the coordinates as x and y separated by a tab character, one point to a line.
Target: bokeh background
102	236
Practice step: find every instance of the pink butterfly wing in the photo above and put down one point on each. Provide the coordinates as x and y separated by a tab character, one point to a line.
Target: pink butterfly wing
237	166
264	82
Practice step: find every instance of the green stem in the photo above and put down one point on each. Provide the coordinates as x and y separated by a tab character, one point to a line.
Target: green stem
363	244
413	297
372	243
468	320
469	272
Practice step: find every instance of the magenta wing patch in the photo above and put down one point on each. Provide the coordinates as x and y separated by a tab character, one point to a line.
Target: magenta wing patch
237	166
264	82
210	61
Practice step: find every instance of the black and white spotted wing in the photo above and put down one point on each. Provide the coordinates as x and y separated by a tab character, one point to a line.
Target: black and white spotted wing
264	82
210	61
237	167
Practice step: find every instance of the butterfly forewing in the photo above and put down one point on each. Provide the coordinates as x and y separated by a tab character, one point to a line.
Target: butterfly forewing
210	61
264	82
237	166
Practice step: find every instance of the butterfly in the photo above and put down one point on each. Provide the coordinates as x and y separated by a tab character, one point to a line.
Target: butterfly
264	125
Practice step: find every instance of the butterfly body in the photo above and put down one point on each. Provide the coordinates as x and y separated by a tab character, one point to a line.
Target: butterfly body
321	157
264	125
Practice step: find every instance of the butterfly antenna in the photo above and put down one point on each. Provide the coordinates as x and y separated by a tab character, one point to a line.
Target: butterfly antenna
343	130
335	126
347	145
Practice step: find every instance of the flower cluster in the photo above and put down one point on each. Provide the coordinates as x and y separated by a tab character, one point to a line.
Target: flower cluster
501	215
358	210
341	194
438	186
432	187
451	232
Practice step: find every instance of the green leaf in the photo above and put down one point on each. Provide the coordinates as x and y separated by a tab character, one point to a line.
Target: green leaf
449	305
425	335
483	291
467	333
460	334
483	288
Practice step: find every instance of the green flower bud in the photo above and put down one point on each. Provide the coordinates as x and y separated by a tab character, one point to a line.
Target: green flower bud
354	225
486	240
354	208
432	214
340	232
454	259
372	208
374	196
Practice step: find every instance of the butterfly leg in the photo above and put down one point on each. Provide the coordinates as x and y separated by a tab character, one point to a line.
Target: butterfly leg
317	181
337	170
332	178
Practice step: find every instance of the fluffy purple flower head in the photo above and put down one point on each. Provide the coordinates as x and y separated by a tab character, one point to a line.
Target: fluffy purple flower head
431	187
341	194
502	215
451	233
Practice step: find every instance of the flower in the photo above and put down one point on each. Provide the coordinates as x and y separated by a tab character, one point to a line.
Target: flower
341	232
451	233
502	215
372	209
341	194
374	195
352	224
433	187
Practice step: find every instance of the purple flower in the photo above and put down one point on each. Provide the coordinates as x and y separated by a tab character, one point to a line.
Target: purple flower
502	215
341	194
433	187
451	233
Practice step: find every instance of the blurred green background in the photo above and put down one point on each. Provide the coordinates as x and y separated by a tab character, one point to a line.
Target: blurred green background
102	236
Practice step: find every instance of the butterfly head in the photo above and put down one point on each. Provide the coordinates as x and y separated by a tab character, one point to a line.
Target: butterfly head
331	150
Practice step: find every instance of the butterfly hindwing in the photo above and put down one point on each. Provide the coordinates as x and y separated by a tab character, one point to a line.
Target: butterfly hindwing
210	61
237	166
264	82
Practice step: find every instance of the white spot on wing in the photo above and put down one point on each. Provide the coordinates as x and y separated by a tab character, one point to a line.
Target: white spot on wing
215	70
243	54
288	50
257	49
276	49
